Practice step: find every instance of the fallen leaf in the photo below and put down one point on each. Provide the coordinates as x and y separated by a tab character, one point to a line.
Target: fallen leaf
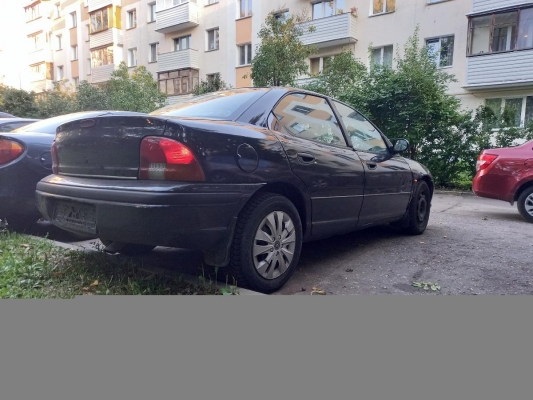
318	291
95	283
85	289
25	245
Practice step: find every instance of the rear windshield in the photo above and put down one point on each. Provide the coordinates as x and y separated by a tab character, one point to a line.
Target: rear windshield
224	105
48	125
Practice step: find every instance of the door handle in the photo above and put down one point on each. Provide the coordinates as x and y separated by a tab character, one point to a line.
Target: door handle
371	165
306	158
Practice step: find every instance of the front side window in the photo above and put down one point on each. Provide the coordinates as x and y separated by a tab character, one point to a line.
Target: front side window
213	39
99	20
382	56
309	117
182	43
327	8
442	49
383	6
363	135
245	8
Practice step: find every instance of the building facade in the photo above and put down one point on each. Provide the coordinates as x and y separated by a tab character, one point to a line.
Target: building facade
486	44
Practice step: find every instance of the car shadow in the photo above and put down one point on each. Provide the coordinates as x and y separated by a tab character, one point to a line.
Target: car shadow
46	230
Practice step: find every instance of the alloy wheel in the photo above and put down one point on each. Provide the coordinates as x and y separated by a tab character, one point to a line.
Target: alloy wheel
528	204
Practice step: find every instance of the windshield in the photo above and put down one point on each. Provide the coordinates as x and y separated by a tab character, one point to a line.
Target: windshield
49	125
225	105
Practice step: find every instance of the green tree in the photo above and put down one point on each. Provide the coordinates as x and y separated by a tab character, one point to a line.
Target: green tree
58	101
136	92
17	102
92	97
211	85
281	56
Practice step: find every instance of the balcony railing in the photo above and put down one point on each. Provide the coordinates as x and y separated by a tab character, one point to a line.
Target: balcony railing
177	18
330	31
102	73
177	60
512	69
108	37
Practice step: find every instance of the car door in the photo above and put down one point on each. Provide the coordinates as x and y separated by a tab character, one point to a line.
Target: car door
320	156
388	177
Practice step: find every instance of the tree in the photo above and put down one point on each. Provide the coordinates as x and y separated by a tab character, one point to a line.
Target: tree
211	85
281	56
136	92
92	97
17	102
58	101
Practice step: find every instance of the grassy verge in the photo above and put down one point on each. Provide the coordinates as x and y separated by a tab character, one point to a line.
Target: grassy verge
34	268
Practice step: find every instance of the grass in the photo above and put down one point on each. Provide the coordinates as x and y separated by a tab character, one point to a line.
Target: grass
35	268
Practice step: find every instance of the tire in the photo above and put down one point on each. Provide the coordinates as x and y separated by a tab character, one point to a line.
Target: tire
131	249
272	266
525	204
419	210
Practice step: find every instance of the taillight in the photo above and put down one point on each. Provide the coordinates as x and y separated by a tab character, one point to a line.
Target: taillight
168	160
484	160
10	150
55	159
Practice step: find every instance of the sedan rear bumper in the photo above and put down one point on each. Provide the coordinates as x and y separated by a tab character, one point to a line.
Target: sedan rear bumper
192	216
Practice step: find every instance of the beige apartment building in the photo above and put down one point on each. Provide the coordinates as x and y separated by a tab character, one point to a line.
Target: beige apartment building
486	44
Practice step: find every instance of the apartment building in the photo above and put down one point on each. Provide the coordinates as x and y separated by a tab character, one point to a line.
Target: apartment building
486	44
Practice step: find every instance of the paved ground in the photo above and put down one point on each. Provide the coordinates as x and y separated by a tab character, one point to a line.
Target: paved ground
471	246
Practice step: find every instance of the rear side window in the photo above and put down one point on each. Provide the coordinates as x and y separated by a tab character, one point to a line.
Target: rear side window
13	125
224	105
48	125
309	117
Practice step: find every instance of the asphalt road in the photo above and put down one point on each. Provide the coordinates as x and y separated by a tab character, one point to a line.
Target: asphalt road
471	246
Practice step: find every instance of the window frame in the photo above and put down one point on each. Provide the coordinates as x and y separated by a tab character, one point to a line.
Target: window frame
172	80
151	60
74	52
215	39
514	39
382	54
248	6
132	51
439	38
131	20
62	69
324	2
523	108
385	11
247	54
59	42
152	10
109	12
73	20
106	58
177	40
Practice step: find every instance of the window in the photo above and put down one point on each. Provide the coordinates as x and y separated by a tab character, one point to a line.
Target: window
153	52
36	69
182	43
99	20
57	10
442	49
35	42
151	12
102	56
309	117
327	8
245	8
178	82
245	54
76	82
59	40
60	74
213	39
166	4
33	12
132	19
382	56
282	15
132	57
211	78
363	135
73	20
383	6
87	33
212	1
73	53
520	109
319	64
504	31
89	65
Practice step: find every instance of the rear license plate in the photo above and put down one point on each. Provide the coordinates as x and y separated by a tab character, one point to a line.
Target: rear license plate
78	216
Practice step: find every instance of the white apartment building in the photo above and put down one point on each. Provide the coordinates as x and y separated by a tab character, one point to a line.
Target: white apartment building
486	44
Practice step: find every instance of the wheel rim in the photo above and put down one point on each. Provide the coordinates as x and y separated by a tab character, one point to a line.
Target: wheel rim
422	208
528	204
274	245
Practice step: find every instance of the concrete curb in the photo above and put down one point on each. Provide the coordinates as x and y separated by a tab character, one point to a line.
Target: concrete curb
186	277
454	193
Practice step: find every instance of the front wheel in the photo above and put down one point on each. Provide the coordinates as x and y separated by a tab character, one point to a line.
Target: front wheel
419	209
267	243
525	204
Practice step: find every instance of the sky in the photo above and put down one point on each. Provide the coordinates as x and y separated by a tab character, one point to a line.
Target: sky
14	69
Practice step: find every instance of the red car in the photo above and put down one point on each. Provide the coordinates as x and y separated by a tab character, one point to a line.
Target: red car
507	174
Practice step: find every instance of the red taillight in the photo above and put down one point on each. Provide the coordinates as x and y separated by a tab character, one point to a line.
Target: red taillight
484	160
168	160
10	150
55	159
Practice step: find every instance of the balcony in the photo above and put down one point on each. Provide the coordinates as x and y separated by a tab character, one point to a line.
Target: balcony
102	74
39	56
479	6
108	37
501	70
177	60
177	18
330	31
98	4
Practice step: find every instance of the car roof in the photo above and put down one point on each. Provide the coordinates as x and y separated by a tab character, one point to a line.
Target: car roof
15	119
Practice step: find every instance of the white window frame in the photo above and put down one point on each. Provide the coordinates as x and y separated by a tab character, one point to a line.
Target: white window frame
132	57
248	7
209	2
74	52
216	39
90	66
57	10
503	104
177	42
60	76
59	42
131	20
76	81
384	11
382	48
150	59
324	2
248	52
73	20
439	48
152	9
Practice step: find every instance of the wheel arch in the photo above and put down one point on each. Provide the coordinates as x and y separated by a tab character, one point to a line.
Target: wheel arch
521	188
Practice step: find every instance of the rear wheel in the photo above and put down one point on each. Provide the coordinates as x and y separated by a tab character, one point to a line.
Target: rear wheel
525	204
419	210
131	249
267	244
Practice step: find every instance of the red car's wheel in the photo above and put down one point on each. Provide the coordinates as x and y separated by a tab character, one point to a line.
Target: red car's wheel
525	204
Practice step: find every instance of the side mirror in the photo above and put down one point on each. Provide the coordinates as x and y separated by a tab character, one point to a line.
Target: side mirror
400	145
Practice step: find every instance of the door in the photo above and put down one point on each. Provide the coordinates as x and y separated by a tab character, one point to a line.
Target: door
388	177
319	155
